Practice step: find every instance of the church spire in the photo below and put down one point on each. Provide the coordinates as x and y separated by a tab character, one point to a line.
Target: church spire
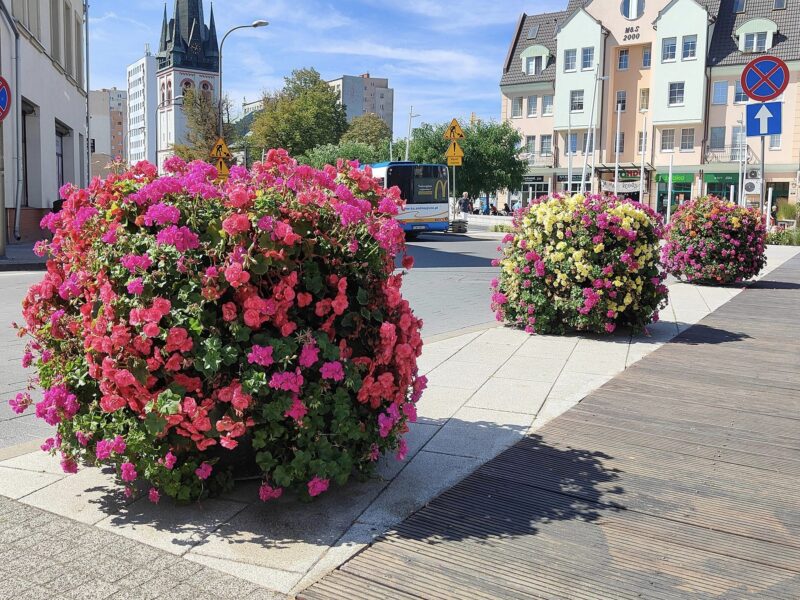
213	45
163	45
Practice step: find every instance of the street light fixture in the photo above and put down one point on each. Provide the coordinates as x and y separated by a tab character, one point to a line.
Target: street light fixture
411	117
253	25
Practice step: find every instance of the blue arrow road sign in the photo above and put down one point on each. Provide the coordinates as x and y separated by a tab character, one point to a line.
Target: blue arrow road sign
764	119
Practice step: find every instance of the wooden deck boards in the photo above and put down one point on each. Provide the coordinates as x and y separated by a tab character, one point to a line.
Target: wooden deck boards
678	479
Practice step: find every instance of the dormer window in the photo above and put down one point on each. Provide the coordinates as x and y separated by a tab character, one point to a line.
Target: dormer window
779	5
755	42
533	65
534	59
738	6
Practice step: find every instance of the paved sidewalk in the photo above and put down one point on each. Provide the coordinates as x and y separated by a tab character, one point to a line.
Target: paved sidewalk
489	389
678	479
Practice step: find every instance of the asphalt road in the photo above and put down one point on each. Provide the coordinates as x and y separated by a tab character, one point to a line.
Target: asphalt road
448	288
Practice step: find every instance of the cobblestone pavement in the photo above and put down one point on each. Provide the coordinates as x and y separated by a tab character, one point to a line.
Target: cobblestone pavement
46	556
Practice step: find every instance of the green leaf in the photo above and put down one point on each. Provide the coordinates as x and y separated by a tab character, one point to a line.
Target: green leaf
362	296
154	423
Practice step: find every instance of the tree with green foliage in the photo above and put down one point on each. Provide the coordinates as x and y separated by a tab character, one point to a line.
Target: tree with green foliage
305	114
491	155
202	122
328	154
368	129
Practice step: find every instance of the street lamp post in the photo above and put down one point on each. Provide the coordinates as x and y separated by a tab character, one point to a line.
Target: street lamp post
644	146
253	25
411	117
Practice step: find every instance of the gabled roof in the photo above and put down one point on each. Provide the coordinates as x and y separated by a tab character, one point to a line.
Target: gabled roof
725	47
547	24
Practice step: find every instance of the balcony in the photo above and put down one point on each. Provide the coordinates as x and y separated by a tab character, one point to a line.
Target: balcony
536	159
730	154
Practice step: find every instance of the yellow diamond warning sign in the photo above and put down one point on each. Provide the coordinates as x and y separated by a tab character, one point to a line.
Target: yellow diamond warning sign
220	150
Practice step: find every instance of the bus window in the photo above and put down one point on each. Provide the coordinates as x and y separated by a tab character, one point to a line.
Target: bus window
420	184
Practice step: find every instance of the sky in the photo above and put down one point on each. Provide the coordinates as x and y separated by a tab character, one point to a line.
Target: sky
444	58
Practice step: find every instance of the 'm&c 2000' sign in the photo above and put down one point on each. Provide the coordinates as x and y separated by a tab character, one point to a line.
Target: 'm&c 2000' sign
631	33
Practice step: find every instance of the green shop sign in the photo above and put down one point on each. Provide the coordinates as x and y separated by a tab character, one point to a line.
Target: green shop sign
676	178
727	178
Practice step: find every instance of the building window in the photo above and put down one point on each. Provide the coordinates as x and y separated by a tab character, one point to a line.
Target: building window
621	142
530	144
533	65
775	142
576	101
570	60
572	146
687	139
587	58
644	99
533	102
69	55
641	146
546	145
547	106
632	9
60	159
720	93
717	138
739	96
516	107
55	30
779	5
622	100
755	42
676	93
668	49
689	47
738	6
588	142
667	140
78	50
622	59
647	56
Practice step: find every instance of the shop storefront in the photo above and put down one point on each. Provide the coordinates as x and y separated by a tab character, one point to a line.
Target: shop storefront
719	185
575	187
533	186
681	189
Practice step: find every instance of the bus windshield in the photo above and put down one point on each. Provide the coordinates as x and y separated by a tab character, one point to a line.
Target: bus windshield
419	184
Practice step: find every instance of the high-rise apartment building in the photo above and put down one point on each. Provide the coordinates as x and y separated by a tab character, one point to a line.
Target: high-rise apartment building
142	107
362	94
108	115
670	70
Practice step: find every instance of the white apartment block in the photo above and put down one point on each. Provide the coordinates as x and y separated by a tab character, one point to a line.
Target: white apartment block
108	110
142	106
362	94
48	119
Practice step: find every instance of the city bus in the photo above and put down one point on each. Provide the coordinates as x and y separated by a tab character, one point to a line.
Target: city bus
424	187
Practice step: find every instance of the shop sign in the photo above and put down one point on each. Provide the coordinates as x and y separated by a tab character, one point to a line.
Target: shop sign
623	187
676	178
533	179
728	178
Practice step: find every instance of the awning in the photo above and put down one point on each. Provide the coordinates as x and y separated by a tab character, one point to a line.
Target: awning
727	178
629	166
676	178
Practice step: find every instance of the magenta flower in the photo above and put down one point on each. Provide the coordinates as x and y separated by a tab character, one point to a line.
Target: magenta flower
333	371
317	486
261	355
153	495
309	355
169	460
297	411
128	472
161	214
136	287
203	471
266	492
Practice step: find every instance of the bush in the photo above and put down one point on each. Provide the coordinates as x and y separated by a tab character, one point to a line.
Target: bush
586	264
501	228
714	241
183	327
787	212
787	237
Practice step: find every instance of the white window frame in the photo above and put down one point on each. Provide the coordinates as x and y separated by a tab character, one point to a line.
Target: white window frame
685	138
533	102
642	139
587	54
547	109
570	53
644	94
683	93
711	145
620	147
671	147
674	43
714	87
573	100
626	54
775	142
590	135
692	48
549	151
647	56
516	107
624	100
530	144
739	96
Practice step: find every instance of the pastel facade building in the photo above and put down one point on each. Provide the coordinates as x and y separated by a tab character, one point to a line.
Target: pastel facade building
142	107
108	115
362	94
45	132
669	70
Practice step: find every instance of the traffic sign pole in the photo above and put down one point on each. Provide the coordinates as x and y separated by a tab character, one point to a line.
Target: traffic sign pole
763	174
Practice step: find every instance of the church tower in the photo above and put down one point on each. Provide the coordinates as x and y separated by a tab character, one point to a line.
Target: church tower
188	59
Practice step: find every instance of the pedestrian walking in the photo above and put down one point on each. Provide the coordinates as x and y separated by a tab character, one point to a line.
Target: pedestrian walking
465	205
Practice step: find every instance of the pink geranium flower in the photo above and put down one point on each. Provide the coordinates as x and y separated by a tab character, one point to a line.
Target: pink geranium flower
203	471
317	486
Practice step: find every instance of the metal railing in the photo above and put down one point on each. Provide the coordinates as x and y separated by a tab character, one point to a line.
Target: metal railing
728	154
536	159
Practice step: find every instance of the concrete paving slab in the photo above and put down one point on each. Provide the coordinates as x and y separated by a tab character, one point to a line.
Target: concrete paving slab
529	368
480	433
489	354
548	346
89	496
511	395
468	376
428	475
432	357
599	357
168	526
273	579
287	534
440	402
15	483
418	435
504	335
38	461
